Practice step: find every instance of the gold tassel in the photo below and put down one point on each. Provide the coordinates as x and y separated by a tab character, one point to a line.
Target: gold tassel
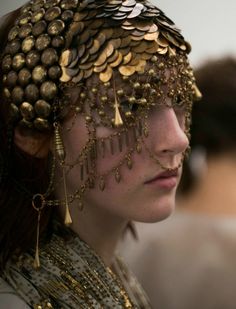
102	183
117	175
197	93
36	259
67	219
60	151
38	207
118	120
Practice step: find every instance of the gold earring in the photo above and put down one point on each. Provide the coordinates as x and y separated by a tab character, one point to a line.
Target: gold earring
60	152
38	208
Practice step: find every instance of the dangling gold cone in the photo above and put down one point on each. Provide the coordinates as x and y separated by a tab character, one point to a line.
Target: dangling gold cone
118	119
197	93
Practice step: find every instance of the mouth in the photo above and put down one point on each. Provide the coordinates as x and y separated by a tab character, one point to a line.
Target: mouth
165	180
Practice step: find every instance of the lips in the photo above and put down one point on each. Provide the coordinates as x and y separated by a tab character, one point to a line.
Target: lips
163	175
166	180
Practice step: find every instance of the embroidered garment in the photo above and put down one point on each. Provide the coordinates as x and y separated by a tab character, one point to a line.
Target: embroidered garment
73	276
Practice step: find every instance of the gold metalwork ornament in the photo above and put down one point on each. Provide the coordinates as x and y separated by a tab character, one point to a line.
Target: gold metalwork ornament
13	47
39	74
38	208
56	27
48	90
11	79
18	61
42	42
52	13
41	124
61	154
37	16
49	57
17	95
27	111
39	28
14	111
13	33
24	77
42	108
32	59
31	93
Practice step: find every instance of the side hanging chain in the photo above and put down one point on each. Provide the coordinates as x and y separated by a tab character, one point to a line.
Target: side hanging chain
61	154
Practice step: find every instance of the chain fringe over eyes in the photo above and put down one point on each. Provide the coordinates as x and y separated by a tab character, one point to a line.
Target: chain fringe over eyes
125	57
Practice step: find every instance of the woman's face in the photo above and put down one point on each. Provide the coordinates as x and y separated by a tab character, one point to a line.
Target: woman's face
147	191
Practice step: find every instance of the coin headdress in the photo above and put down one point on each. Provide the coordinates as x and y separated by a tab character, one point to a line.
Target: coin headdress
97	47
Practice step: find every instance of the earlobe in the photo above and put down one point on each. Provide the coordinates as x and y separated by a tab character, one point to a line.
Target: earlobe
34	144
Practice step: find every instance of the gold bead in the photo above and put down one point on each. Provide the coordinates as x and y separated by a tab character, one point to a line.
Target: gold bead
94	90
82	95
104	99
120	92
143	101
6	93
147	86
101	113
107	84
27	110
132	100
154	59
137	85
78	109
151	72
128	114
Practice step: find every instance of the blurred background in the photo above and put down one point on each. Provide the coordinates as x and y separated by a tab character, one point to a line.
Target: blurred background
208	24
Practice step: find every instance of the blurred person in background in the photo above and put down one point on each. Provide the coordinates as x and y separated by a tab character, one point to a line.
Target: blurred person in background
189	260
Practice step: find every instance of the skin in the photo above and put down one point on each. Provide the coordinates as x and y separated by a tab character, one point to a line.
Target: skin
106	213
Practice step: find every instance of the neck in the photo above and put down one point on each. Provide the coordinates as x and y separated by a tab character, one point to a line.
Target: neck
99	229
215	193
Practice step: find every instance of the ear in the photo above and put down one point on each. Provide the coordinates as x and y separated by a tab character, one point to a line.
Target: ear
34	144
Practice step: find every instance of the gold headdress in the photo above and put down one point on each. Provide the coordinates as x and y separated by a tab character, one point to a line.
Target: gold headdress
59	41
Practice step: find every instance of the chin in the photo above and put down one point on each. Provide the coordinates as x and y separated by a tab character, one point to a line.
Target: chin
159	211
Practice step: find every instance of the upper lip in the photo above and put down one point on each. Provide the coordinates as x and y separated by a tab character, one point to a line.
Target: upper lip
165	174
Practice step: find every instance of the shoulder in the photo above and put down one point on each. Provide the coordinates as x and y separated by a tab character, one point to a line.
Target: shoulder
9	299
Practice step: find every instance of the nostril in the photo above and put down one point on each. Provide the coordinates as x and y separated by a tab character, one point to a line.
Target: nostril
167	150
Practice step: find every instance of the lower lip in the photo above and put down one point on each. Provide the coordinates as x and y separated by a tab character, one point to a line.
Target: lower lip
164	183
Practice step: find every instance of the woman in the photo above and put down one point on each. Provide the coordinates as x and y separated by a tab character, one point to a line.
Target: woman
94	122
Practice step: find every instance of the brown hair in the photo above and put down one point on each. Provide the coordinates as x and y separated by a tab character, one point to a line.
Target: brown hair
213	118
21	176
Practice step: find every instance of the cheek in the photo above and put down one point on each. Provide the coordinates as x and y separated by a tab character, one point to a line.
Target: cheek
75	138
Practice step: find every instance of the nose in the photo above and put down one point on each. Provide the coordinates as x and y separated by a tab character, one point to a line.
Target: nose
168	132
